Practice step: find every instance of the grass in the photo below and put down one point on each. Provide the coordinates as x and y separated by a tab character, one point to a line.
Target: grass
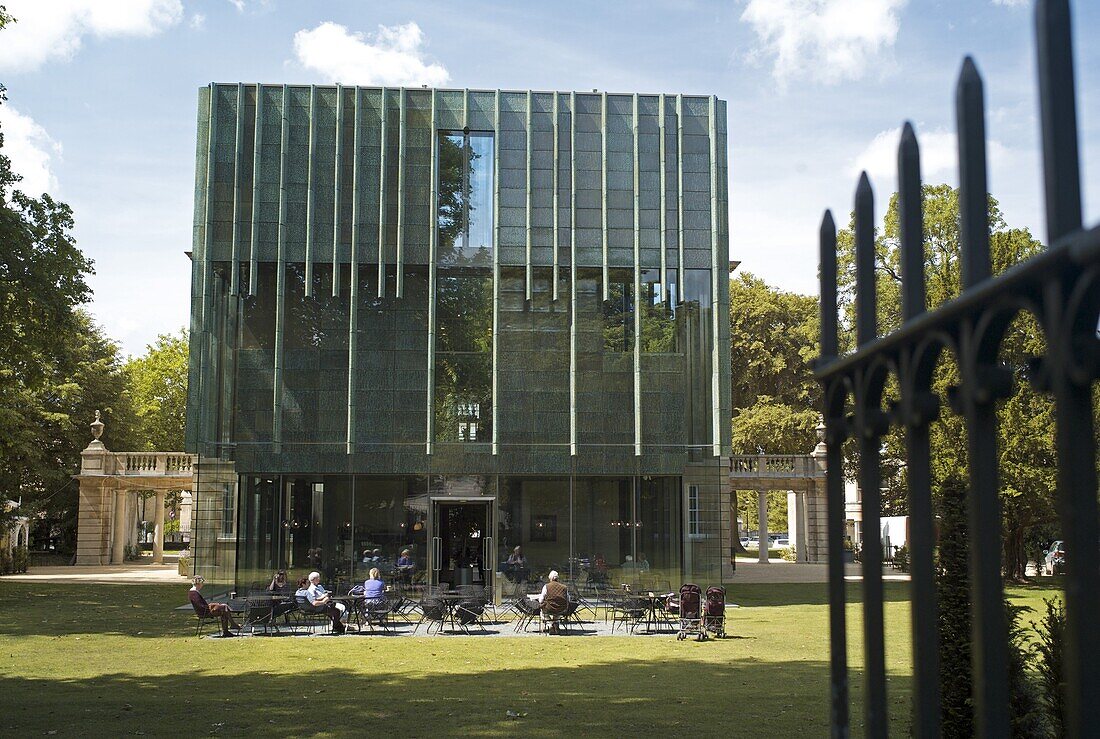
118	660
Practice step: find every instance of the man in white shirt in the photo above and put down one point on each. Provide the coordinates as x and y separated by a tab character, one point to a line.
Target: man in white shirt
321	599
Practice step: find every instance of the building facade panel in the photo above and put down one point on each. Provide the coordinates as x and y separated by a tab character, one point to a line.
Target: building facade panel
386	311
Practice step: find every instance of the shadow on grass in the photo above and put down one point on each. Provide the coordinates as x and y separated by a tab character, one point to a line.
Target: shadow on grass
626	698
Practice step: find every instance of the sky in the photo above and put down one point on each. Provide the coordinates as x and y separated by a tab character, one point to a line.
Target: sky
103	99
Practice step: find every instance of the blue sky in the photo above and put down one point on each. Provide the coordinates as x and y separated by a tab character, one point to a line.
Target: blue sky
102	102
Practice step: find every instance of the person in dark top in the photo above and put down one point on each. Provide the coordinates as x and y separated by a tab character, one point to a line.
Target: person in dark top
279	583
211	610
554	599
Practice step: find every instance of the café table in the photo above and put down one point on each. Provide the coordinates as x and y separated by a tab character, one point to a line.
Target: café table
261	610
655	611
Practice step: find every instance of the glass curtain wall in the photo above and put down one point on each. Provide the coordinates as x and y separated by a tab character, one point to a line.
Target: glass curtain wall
464	289
607	530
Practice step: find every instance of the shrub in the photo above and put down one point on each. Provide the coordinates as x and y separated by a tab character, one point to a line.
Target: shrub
1049	647
5	562
953	590
789	554
20	560
901	558
1024	705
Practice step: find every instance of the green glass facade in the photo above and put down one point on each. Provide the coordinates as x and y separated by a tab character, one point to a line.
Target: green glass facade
457	322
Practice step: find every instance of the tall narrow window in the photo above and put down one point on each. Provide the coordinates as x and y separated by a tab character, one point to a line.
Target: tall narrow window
464	288
694	529
465	216
618	313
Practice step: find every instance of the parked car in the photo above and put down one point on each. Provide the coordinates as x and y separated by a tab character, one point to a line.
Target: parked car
1054	559
783	542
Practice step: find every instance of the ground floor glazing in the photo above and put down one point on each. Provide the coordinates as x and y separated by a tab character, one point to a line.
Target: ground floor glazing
461	529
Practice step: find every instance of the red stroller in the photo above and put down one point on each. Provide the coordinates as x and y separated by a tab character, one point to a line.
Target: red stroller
714	612
691	613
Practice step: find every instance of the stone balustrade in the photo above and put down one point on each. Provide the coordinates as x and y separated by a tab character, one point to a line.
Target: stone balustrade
148	464
774	465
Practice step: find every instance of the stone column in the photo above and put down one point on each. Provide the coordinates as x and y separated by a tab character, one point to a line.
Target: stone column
96	502
794	524
118	546
762	525
158	531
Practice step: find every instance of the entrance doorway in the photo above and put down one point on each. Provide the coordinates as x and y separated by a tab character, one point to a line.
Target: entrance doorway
462	551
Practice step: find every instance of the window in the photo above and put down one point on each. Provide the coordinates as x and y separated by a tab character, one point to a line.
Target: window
229	510
618	313
694	528
465	217
658	317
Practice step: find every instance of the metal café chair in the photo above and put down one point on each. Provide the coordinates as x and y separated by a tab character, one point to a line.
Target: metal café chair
527	610
260	611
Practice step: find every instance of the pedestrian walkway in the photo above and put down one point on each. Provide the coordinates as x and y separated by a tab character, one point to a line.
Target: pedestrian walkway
780	571
128	573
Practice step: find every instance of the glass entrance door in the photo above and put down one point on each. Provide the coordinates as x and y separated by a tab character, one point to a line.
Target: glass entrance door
462	551
303	504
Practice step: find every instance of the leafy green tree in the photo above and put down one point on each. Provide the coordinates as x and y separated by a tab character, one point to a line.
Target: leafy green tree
56	367
773	339
157	386
1026	425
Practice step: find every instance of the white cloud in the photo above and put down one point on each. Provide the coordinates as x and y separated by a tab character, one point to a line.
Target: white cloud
197	21
31	149
238	4
393	56
56	29
825	40
938	158
1012	3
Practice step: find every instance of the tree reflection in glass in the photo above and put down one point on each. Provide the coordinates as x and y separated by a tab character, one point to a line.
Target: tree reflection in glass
465	217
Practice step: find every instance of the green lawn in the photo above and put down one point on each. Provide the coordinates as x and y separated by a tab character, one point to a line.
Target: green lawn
118	660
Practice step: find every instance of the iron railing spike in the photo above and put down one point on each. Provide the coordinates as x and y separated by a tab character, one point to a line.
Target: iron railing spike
910	205
1058	117
866	293
827	267
973	189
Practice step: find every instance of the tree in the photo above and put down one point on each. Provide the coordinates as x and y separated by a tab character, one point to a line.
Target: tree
157	386
773	339
1026	427
56	366
775	398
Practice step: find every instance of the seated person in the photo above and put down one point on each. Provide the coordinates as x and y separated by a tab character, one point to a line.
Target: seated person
374	588
278	583
406	566
642	563
321	601
368	556
516	566
554	599
211	610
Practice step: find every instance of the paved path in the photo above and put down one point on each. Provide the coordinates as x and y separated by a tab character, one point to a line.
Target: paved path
131	573
790	572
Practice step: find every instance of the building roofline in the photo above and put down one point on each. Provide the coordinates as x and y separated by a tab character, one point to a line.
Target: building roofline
333	85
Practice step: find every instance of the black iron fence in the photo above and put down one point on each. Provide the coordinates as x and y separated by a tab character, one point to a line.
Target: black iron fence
1061	288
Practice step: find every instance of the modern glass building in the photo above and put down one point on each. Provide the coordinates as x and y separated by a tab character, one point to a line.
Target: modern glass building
457	322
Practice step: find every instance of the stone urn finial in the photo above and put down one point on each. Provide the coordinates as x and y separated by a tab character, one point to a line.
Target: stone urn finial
97	426
820	450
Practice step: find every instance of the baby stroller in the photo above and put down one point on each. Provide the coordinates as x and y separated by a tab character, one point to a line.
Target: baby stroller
691	614
714	611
